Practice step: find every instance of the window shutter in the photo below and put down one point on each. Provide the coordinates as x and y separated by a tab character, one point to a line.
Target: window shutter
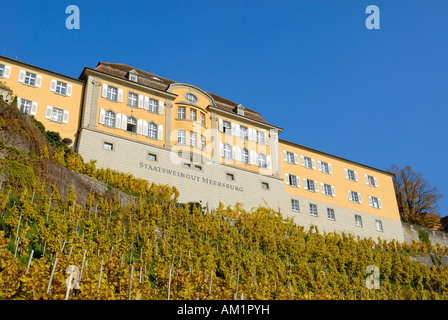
145	128
124	122
256	159
139	126
313	164
333	192
120	95
376	182
221	149
346	173
232	126
160	106
287	178
319	165
65	117
296	159
302	160
359	197
379	203
140	101
160	132
266	138
19	103
366	178
21	76
316	186
268	162
350	195
370	201
239	154
38	80
234	155
238	130
329	169
298	181
7	72
33	110
104	91
53	85
250	134
69	90
102	117
356	176
146	104
305	184
285	156
118	121
220	125
322	189
48	112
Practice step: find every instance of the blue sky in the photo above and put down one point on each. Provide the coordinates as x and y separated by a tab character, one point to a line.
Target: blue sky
377	97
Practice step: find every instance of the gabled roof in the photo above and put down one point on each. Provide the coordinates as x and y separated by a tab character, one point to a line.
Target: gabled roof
160	83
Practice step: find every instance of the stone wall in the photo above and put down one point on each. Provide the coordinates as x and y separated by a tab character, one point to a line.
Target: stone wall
410	232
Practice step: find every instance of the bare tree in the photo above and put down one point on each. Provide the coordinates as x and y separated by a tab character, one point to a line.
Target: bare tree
416	198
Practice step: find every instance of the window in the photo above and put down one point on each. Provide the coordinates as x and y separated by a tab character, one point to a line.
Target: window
265	185
262	160
30	79
358	221
61	87
25	106
181	137
202	119
244	133
324	166
132	99
310	185
56	115
197	167
292	180
313	209
202	143
186	165
371	181
181	113
108	146
375	202
240	111
327	189
192	115
191	97
226	127
289	157
112	93
307	162
354	196
295	205
193	139
131	125
227	151
153	105
152	130
330	213
230	176
245	156
2	70
109	119
379	225
152	157
260	137
351	175
133	77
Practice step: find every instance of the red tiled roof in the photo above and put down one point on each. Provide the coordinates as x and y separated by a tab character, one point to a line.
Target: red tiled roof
154	81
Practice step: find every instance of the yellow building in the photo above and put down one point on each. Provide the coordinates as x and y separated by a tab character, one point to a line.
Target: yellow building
54	99
212	149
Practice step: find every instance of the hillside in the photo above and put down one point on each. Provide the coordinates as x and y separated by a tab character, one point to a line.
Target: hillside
129	239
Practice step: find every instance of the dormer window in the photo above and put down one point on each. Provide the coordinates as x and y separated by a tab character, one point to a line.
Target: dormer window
133	75
240	110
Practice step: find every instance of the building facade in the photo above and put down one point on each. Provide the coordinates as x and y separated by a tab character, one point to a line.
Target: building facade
212	149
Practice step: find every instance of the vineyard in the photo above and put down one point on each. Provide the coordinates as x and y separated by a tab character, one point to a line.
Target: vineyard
149	246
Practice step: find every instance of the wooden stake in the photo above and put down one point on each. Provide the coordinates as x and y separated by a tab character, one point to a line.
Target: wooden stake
82	265
130	282
99	280
51	277
29	261
169	285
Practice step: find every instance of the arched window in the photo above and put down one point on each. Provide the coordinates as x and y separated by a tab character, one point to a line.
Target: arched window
261	160
152	130
132	125
227	151
245	156
109	120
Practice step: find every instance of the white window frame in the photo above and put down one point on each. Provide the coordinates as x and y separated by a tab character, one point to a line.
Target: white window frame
262	160
30	79
355	196
227	148
109	120
108	146
152	130
181	113
330	214
379	225
226	127
132	99
245	156
112	93
193	115
358	220
313	209
244	133
25	106
61	87
202	115
56	113
152	157
193	139
295	205
153	105
181	137
351	175
203	142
